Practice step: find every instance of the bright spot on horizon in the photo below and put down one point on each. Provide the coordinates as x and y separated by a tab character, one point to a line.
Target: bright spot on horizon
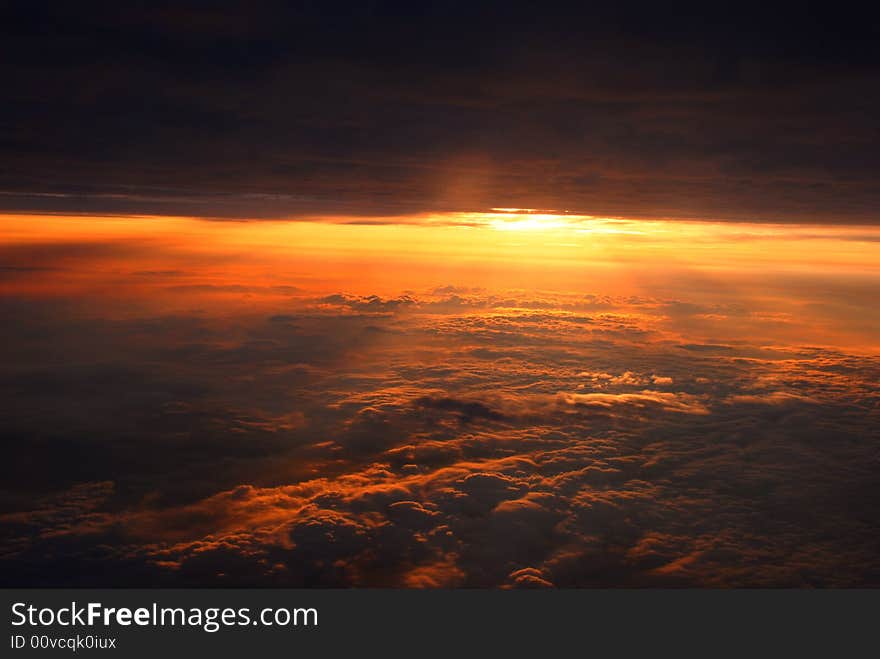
534	220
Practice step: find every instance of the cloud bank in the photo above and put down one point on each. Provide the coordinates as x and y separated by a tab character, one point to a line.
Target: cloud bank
437	439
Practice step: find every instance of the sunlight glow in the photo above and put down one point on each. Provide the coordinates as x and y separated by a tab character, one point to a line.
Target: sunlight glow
178	263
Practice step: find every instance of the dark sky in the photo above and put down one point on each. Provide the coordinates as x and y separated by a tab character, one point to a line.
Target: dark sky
271	109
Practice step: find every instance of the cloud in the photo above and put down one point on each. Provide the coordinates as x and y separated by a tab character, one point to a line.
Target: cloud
497	439
646	115
367	304
466	410
683	403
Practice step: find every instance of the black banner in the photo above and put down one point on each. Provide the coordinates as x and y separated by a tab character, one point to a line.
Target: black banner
239	623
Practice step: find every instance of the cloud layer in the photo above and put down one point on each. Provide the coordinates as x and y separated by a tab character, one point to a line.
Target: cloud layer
443	438
263	109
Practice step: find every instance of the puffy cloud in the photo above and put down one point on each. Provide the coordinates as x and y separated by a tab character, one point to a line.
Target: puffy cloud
528	577
420	441
674	402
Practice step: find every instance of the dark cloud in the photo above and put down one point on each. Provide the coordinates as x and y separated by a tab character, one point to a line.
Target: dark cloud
368	303
275	109
466	410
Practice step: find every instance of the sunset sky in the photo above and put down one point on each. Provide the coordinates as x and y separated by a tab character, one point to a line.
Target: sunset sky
453	295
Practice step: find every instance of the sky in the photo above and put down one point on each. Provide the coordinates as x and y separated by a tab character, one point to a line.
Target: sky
277	109
460	295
